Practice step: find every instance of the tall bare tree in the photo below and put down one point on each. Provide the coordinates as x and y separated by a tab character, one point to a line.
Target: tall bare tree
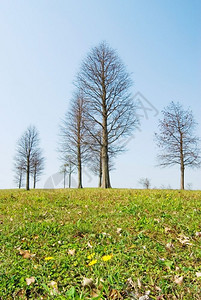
37	166
176	139
27	147
73	133
105	85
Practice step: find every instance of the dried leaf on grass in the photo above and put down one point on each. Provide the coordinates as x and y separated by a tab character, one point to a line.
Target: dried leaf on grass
89	245
88	282
53	288
30	280
26	253
71	252
168	230
178	280
169	246
115	295
119	230
184	240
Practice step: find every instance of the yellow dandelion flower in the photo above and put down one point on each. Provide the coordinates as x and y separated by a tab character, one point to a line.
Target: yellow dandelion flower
93	262
106	257
91	256
49	258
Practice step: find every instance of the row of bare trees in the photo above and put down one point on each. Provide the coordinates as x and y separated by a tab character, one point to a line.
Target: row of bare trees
101	115
28	161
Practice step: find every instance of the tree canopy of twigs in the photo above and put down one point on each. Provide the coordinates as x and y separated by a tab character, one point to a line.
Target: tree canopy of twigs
105	85
176	139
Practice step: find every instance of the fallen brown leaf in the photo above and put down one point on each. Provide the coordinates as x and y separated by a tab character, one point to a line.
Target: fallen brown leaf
71	252
54	288
168	230
26	253
115	295
119	230
169	246
178	280
87	282
184	240
30	280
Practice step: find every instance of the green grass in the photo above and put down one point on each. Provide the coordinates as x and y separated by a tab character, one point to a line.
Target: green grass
156	244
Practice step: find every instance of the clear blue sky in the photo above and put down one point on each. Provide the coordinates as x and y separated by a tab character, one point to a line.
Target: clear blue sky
42	44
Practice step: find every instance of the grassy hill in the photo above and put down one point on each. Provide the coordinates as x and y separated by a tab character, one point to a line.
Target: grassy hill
100	244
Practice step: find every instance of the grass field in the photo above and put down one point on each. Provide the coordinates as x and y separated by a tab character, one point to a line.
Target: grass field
100	244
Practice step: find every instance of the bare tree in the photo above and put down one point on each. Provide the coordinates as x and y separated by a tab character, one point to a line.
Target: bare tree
19	169
73	133
145	182
27	147
189	186
67	169
176	139
105	85
64	172
37	166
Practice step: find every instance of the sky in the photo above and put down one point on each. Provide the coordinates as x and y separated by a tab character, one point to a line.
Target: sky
42	45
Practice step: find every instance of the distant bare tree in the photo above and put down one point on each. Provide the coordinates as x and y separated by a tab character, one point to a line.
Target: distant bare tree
37	166
27	147
64	172
165	187
19	169
67	169
105	85
189	186
73	134
176	139
145	182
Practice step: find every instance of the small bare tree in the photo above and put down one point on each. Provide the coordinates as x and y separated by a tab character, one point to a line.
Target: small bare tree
145	182
105	85
19	169
73	134
67	169
37	166
27	147
176	139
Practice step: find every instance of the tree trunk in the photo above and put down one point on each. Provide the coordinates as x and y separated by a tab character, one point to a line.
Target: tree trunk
34	178
69	176
182	177
79	168
100	170
69	181
28	171
105	161
64	179
20	181
182	161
